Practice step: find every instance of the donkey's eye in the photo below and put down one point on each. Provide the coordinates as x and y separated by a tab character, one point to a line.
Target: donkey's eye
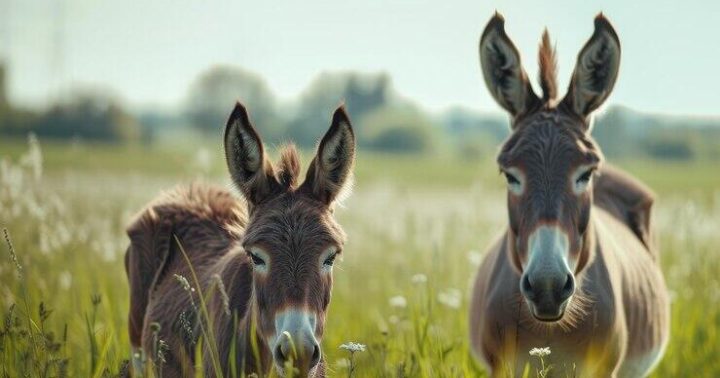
584	177
257	261
512	180
582	182
330	260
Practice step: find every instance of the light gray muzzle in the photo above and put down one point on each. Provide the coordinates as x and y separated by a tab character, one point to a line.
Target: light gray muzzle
547	282
295	339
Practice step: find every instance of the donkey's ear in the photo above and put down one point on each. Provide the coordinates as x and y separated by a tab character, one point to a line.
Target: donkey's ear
596	70
330	172
245	157
504	75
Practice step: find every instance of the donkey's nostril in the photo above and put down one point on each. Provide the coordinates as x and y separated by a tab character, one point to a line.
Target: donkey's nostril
568	288
525	286
315	356
307	353
279	355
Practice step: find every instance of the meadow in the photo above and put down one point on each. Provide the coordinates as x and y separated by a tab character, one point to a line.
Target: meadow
417	225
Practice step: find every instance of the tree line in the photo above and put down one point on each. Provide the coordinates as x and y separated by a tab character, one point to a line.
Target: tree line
383	120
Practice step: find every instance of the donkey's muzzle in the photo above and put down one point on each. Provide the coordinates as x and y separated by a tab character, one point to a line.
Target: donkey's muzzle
547	295
548	283
296	343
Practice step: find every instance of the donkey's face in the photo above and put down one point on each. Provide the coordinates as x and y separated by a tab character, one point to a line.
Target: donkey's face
549	160
292	239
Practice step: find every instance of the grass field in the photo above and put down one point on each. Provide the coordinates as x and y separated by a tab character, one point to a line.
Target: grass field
64	300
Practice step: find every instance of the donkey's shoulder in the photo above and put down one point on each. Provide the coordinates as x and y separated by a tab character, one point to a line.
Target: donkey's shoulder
195	201
627	199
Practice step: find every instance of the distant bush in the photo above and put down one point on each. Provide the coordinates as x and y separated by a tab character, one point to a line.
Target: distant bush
16	122
88	117
670	147
92	115
623	133
400	130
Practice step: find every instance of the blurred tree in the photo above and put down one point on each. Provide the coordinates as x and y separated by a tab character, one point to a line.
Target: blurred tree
671	145
474	135
366	93
213	95
91	114
402	130
361	93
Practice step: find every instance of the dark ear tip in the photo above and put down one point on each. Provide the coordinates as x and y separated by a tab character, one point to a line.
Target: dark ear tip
341	117
497	17
239	112
241	117
497	22
603	24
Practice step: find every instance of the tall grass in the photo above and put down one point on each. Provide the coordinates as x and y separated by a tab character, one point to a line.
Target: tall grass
417	229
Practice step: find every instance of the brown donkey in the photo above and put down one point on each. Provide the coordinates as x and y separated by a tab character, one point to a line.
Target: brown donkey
264	265
576	270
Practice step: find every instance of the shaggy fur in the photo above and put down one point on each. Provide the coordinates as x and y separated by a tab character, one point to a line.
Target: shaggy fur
196	239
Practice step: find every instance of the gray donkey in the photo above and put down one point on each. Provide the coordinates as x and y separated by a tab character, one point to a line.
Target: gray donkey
576	270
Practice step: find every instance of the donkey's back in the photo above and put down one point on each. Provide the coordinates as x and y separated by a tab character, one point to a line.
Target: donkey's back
202	221
628	200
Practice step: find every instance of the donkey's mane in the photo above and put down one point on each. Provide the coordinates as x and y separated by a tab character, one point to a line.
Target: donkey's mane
288	167
548	68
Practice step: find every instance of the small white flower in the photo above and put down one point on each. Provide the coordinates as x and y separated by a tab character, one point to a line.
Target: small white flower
65	279
419	279
540	352
203	160
398	301
451	298
353	347
474	257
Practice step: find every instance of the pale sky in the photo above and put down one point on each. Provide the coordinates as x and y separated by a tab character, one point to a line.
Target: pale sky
149	51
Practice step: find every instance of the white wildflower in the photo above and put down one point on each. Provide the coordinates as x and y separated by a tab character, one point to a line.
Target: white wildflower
32	159
353	347
540	352
398	301
474	257
203	160
65	279
451	298
419	278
